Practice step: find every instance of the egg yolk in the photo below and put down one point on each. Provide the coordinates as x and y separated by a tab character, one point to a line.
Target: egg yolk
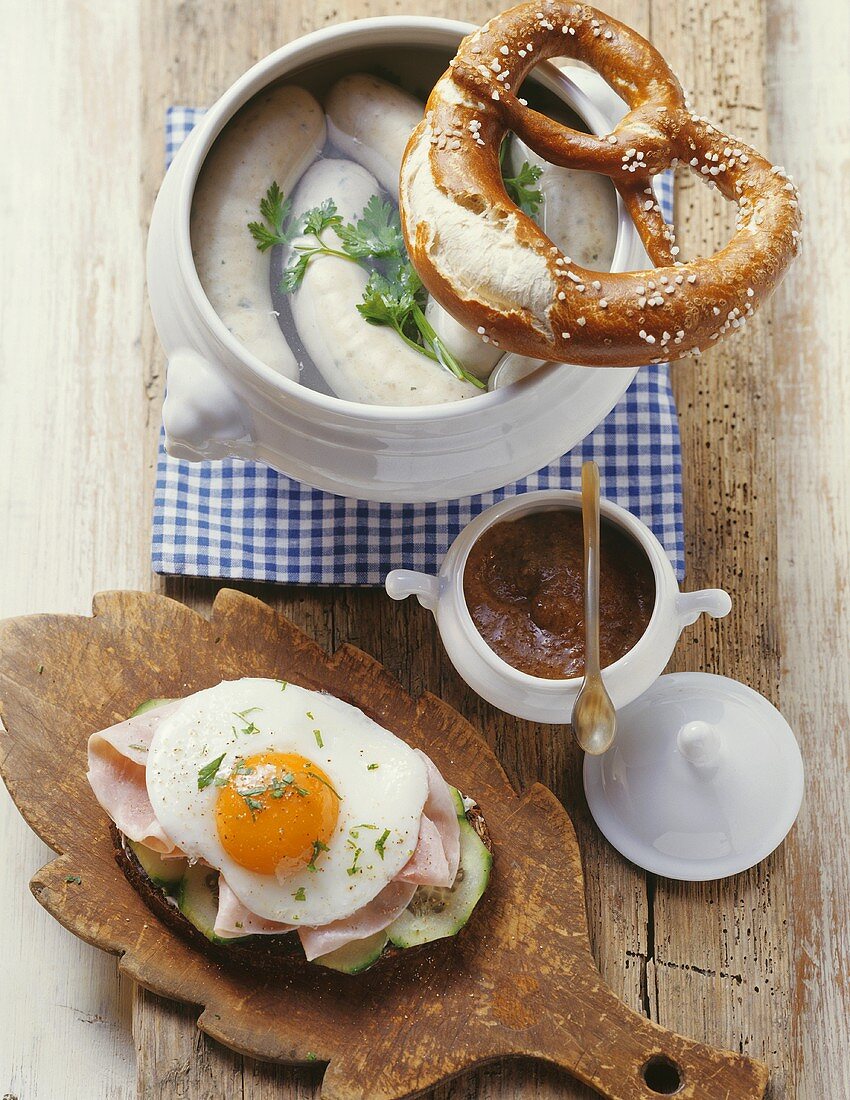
276	813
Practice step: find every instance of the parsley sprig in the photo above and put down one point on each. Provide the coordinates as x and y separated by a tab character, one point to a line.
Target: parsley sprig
312	226
376	234
520	187
272	230
396	299
394	295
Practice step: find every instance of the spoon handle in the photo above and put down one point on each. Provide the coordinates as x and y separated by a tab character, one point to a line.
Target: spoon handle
590	523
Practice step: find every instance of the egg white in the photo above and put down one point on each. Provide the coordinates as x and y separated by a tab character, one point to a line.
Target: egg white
390	796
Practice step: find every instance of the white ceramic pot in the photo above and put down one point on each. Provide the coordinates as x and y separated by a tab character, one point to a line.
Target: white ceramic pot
222	401
532	697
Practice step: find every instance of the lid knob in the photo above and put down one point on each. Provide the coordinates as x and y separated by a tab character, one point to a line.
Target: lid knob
701	744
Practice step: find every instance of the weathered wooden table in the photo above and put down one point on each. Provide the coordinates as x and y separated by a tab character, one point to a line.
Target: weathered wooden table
757	963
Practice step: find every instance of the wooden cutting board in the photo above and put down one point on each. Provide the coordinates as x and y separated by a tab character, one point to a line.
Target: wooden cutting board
518	981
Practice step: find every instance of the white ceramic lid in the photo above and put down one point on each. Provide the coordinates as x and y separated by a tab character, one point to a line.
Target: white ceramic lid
704	779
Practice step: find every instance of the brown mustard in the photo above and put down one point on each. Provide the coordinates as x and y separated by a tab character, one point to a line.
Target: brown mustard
524	588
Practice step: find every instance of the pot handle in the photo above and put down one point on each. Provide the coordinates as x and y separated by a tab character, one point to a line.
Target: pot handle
712	601
401	583
203	417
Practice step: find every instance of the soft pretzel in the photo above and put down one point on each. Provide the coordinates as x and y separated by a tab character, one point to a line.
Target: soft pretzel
496	271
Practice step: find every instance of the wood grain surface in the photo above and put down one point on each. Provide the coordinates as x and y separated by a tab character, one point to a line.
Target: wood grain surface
758	963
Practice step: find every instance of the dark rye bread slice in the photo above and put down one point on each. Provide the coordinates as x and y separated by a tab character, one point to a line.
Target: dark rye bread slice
265	954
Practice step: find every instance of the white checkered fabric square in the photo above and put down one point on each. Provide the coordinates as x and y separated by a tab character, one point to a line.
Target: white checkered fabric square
243	520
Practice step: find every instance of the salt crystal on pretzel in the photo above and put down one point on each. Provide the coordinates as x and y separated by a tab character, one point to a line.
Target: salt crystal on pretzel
494	269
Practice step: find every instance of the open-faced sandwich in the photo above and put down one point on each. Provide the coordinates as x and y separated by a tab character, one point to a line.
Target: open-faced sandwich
269	823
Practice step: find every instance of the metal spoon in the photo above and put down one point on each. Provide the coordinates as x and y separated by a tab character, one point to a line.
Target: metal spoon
594	719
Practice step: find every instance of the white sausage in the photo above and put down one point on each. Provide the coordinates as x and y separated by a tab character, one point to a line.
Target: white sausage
359	361
274	138
370	121
579	208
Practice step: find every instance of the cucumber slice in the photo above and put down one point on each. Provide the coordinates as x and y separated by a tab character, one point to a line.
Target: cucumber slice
161	872
197	900
437	912
149	704
355	957
460	809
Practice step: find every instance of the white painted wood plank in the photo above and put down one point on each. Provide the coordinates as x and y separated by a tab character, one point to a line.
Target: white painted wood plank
72	479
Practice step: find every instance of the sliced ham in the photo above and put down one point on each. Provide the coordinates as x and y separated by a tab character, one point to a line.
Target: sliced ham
440	808
235	919
428	865
381	911
117	758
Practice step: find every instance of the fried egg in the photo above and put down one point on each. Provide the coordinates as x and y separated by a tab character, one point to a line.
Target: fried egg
306	806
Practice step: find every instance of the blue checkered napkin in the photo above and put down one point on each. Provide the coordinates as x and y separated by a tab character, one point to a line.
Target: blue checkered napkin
243	520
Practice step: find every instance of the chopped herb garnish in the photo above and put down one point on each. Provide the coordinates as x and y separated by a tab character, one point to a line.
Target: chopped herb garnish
240	768
239	924
139	748
286	782
313	775
299	894
371	767
77	881
40	669
318	735
520	188
318	846
353	831
243	714
274	210
354	869
311	1057
283	684
253	804
208	772
380	842
311	716
250	728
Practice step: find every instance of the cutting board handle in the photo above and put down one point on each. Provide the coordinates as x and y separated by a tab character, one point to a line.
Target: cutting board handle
636	1059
